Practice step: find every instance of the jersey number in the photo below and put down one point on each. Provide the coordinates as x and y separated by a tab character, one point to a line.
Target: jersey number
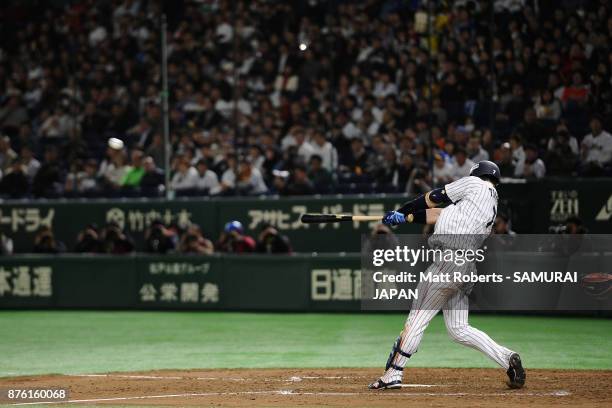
494	216
494	210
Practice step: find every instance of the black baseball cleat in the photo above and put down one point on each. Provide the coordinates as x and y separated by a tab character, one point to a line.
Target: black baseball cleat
516	372
381	385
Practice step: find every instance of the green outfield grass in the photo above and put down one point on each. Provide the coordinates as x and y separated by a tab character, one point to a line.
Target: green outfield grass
37	342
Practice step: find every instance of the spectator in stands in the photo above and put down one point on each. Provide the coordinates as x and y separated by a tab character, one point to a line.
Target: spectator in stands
7	155
503	158
406	166
547	106
152	181
229	167
562	132
88	241
346	84
280	181
518	154
82	179
303	146
474	149
420	181
319	176
461	165
271	241
31	164
135	170
114	147
575	94
357	162
516	106
442	171
207	180
115	170
140	134
115	240
160	239
13	114
532	131
234	240
561	157
185	177
45	242
156	148
287	81
325	150
386	173
15	183
194	242
248	179
47	182
488	143
299	184
256	157
533	167
57	125
596	149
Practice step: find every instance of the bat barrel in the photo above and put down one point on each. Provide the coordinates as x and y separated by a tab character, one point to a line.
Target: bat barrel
329	218
324	218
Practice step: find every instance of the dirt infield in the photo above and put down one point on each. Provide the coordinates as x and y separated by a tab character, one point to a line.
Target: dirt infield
326	387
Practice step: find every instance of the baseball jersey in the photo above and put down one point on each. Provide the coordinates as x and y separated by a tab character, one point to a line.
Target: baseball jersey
473	209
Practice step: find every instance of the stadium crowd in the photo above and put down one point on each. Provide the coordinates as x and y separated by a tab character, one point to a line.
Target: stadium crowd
304	97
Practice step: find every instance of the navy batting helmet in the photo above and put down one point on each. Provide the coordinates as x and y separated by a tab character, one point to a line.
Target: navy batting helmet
486	169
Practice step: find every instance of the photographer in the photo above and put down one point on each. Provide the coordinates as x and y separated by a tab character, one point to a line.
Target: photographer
88	240
270	241
193	242
115	241
159	239
45	243
233	239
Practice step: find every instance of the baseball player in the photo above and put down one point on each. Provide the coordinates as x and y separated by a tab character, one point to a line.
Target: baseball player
464	224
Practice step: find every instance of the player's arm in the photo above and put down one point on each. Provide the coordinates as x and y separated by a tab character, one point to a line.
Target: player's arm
416	210
431	199
432	215
428	216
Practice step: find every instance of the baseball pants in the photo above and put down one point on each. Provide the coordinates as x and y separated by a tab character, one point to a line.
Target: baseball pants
453	299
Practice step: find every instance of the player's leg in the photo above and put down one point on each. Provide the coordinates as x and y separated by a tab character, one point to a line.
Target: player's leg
432	297
456	319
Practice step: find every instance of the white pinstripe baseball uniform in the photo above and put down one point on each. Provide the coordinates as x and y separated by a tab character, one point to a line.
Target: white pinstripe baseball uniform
462	225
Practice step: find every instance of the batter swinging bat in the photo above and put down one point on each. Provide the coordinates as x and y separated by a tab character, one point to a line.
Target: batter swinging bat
327	218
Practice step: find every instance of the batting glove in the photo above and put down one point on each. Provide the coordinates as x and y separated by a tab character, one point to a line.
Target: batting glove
393	218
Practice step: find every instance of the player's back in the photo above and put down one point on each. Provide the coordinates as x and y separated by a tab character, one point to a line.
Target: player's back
473	208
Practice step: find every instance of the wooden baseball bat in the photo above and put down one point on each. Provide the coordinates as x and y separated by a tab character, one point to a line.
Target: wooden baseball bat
327	218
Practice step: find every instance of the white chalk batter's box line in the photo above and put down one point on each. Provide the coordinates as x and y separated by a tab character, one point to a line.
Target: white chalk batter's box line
171	377
560	393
